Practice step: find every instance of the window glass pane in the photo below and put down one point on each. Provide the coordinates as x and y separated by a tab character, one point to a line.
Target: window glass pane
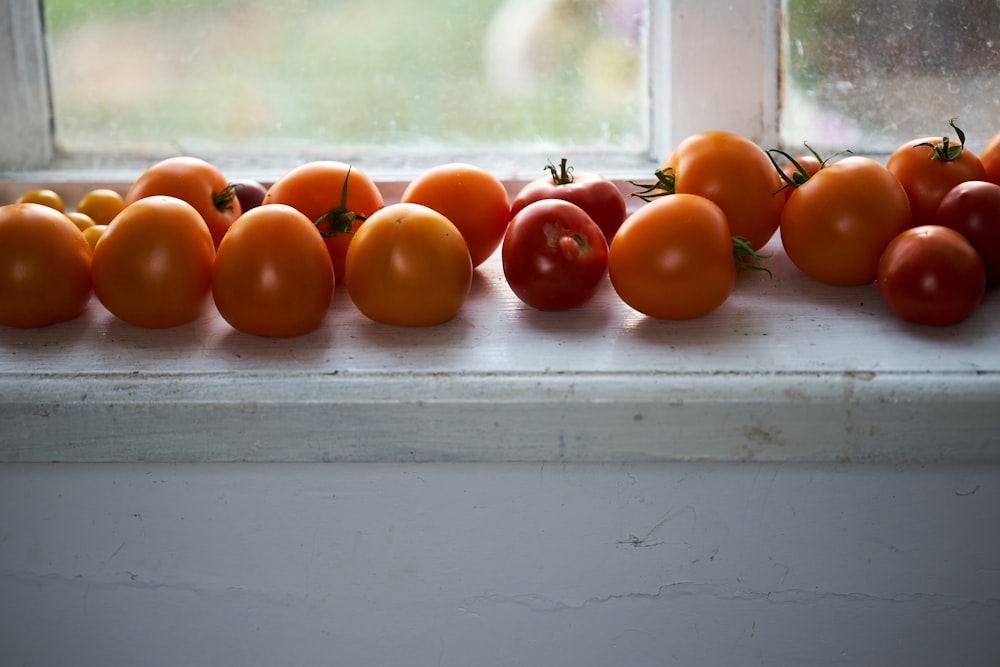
265	75
871	74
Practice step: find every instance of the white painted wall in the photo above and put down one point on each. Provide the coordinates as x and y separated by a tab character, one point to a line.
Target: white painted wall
499	564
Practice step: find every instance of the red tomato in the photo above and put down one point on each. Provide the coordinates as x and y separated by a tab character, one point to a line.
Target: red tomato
972	208
835	225
198	183
250	192
408	265
153	264
272	273
931	275
473	199
335	196
990	157
929	168
733	172
673	259
554	255
44	266
597	196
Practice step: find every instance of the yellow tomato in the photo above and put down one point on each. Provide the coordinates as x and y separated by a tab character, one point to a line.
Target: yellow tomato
102	205
43	196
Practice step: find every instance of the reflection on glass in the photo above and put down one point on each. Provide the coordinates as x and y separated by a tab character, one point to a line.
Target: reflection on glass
258	74
872	74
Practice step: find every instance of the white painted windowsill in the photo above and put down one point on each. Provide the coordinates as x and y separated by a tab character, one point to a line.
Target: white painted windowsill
786	370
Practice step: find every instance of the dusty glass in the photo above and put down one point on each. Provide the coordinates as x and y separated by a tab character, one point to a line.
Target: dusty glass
147	75
870	74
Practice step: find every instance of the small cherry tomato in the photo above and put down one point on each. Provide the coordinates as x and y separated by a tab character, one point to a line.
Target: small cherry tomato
408	265
931	275
928	168
81	220
94	234
554	255
44	266
197	182
835	226
335	196
101	204
596	195
473	199
673	258
153	264
43	196
272	273
990	157
972	208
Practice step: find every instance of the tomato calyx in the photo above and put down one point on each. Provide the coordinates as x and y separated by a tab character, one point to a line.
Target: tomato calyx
564	176
340	219
800	174
946	151
665	185
747	258
224	198
572	246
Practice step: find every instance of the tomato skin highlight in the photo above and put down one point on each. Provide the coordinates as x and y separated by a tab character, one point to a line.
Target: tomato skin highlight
596	195
927	179
734	173
45	266
408	265
272	274
554	255
317	189
197	182
972	208
835	226
473	199
931	275
153	264
673	259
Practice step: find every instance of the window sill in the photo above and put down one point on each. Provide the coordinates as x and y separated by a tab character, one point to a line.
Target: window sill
786	370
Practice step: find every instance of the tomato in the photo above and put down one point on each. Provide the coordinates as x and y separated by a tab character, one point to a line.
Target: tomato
972	208
408	265
474	200
835	225
101	204
990	157
250	192
931	275
94	234
595	194
81	220
272	273
197	182
44	266
673	259
335	196
554	255
929	168
43	196
733	172
153	264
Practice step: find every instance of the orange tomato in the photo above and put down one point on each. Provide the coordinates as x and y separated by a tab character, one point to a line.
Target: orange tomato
335	196
408	265
153	264
473	199
990	157
672	259
737	175
197	182
44	266
272	273
101	204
